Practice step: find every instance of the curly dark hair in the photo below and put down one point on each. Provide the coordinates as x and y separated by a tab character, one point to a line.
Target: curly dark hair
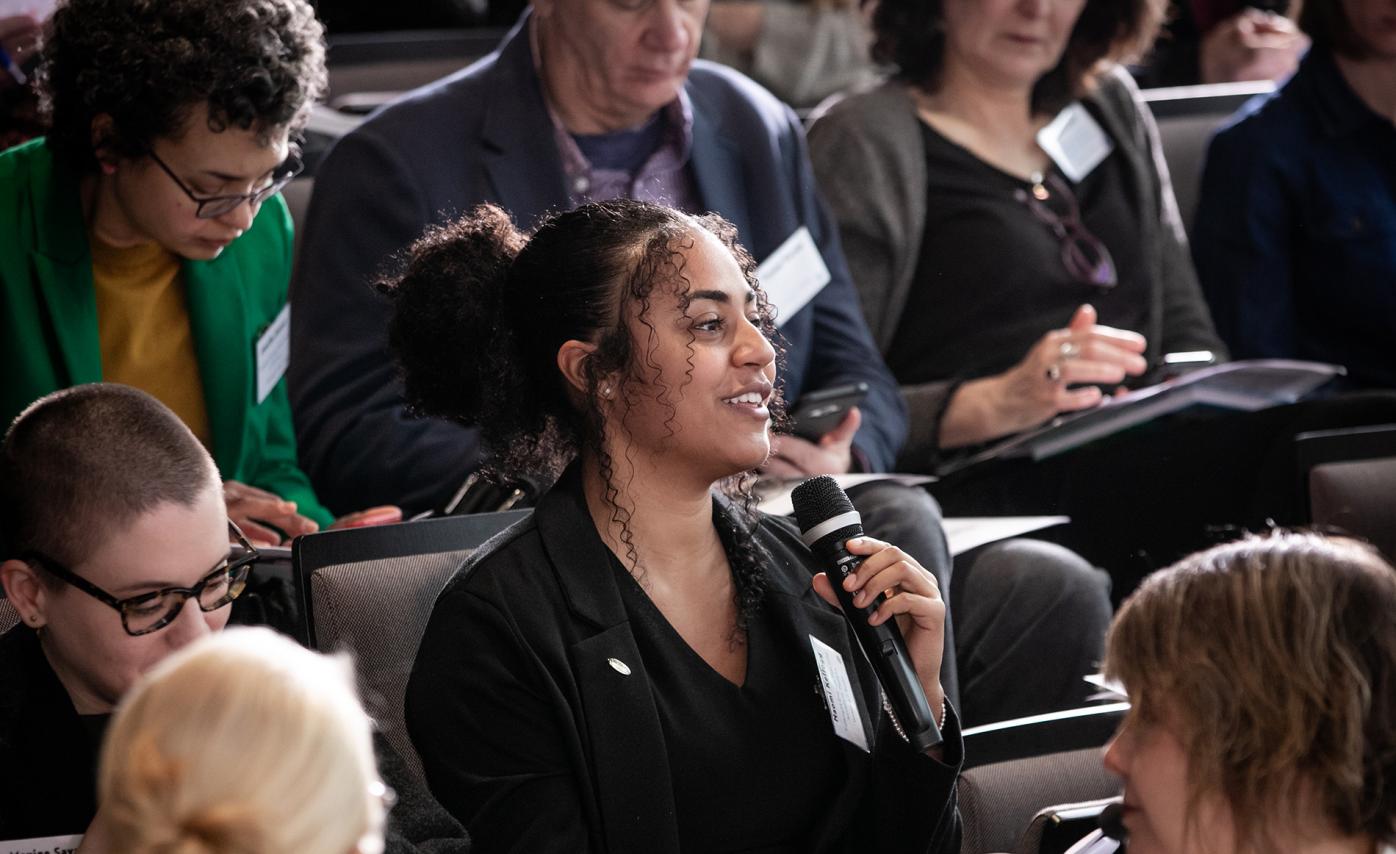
481	309
257	64
910	35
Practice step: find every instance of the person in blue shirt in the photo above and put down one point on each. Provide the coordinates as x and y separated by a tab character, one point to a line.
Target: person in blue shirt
1295	237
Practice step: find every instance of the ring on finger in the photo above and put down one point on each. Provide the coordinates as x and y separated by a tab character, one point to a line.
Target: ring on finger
1070	349
1054	372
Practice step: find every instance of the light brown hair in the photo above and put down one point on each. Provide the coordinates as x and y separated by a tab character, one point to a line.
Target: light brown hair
1278	655
80	464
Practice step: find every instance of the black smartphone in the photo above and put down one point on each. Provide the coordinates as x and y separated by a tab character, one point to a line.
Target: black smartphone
1173	365
818	412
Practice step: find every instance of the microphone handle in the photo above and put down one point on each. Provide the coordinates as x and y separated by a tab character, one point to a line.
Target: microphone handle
885	649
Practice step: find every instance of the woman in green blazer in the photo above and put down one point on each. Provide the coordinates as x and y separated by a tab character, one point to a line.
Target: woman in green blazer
171	135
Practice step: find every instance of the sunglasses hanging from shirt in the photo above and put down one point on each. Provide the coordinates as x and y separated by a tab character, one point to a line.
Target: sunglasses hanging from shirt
1084	255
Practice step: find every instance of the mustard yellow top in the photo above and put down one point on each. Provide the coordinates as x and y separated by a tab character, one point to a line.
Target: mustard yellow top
143	328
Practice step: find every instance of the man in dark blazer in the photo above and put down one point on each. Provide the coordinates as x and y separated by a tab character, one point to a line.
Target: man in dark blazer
487	134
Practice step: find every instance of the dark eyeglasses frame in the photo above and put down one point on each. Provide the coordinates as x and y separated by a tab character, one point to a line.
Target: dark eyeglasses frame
212	207
1079	246
236	570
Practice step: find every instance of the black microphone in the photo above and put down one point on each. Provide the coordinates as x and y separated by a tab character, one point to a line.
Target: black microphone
1110	822
827	520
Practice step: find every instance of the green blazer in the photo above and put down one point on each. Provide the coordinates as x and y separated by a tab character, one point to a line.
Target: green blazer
48	319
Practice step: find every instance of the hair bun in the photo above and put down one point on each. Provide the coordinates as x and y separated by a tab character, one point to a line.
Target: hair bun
448	312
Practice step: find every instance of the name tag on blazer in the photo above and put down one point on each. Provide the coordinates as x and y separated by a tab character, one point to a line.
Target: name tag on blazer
41	845
273	353
844	711
793	274
1076	142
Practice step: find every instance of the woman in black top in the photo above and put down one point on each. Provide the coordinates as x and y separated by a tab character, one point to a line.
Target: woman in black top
1012	271
975	248
633	668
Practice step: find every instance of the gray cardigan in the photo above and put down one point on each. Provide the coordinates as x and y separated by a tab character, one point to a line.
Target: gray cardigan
870	161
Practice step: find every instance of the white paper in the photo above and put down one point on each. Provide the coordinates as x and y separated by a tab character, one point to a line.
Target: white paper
1076	142
1111	690
793	274
36	9
838	694
971	532
41	845
1095	842
273	353
775	492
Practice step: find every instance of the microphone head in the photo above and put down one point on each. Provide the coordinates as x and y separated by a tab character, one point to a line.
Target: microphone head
817	499
1110	822
825	515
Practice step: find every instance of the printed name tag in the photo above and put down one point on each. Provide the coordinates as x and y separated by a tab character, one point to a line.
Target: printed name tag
793	274
273	353
42	845
1076	142
838	694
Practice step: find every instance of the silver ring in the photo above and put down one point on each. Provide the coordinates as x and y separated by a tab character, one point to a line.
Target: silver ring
1070	349
1054	372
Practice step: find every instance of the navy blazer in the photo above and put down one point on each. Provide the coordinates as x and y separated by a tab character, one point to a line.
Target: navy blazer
483	134
533	739
1295	234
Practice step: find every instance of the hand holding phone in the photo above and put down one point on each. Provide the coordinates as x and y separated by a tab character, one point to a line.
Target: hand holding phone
818	412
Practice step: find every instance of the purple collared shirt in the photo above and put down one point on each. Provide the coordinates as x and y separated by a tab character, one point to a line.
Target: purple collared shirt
664	178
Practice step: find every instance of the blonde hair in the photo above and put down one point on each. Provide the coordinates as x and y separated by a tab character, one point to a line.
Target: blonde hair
1278	655
241	743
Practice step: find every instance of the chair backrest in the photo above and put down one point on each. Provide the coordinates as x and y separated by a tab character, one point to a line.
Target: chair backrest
1088	727
1357	497
1187	116
9	617
371	590
999	801
388	64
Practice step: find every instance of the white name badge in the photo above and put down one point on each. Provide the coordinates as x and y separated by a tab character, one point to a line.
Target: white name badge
793	274
1076	142
838	694
273	353
42	845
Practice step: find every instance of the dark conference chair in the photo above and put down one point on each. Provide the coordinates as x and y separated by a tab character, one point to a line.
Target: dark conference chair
1009	806
1018	771
1187	117
9	617
371	590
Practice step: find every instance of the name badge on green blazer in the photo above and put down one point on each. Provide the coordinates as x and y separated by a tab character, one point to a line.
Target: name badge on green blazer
273	353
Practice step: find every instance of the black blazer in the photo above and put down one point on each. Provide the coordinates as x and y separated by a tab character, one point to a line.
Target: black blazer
537	743
48	758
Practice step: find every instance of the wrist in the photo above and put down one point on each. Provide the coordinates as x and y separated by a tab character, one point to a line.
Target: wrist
975	413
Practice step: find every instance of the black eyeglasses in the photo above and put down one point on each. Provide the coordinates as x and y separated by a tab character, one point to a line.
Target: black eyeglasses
150	612
1085	257
212	207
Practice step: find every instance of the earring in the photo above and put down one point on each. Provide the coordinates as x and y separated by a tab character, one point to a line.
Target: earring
605	391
